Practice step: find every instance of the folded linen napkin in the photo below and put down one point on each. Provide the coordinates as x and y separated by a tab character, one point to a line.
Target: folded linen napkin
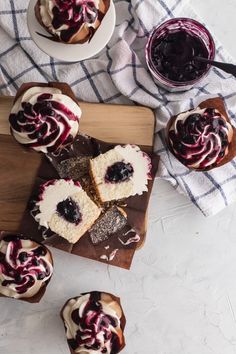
119	75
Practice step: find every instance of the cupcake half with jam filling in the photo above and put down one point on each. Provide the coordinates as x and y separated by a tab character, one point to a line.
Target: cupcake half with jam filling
94	323
65	208
72	21
26	268
45	117
121	172
202	138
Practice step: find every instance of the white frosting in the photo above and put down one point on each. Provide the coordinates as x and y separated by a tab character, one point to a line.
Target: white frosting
183	116
27	246
47	16
141	164
212	138
111	256
79	304
31	96
52	195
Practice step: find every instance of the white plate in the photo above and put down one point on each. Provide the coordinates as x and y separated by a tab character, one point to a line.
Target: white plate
72	52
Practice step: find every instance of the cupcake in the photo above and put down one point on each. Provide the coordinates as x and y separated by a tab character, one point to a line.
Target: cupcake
72	21
94	323
65	208
25	268
45	118
201	139
121	172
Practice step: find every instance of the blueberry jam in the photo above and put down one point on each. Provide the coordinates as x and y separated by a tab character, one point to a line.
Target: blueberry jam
119	172
202	139
73	14
95	328
46	123
173	55
70	211
22	267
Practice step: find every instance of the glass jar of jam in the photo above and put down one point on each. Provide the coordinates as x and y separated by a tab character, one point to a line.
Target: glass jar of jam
171	51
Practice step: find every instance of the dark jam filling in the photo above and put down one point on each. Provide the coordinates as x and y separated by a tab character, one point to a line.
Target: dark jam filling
70	211
41	120
26	266
93	322
119	172
173	56
73	14
197	136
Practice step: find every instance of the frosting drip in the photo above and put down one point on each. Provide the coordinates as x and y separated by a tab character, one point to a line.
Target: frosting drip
66	18
200	138
24	267
92	325
45	119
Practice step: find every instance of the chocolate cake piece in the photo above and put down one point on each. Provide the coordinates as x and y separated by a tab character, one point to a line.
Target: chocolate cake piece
74	167
109	223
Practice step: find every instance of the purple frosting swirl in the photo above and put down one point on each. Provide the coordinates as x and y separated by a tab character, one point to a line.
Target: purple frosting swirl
45	123
24	266
73	14
200	138
94	328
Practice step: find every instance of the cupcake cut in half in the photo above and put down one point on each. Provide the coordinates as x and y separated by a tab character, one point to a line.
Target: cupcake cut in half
201	139
45	118
65	208
94	323
121	172
72	21
25	267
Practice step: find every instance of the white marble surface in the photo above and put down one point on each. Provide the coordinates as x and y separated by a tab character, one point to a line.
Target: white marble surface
180	295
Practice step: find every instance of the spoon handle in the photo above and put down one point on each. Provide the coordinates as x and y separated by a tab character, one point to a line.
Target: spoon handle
228	68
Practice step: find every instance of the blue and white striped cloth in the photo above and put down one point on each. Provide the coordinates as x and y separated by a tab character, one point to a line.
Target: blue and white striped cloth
119	75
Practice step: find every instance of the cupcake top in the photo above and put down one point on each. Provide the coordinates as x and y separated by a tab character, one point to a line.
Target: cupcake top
44	119
93	324
25	267
200	138
66	18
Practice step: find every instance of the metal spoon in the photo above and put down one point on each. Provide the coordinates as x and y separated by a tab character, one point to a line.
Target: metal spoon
228	68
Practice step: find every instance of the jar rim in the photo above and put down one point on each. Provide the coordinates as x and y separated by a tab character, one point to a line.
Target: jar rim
151	66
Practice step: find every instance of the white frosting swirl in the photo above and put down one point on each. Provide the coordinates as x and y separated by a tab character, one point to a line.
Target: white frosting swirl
92	324
45	119
78	20
25	266
200	138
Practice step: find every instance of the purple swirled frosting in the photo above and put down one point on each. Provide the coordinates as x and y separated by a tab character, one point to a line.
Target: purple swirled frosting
92	324
44	119
25	267
200	138
66	18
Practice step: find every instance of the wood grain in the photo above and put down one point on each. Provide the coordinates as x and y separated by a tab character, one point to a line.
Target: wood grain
19	166
112	123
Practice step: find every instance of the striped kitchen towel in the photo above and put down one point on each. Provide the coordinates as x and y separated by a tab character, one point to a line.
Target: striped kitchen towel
119	75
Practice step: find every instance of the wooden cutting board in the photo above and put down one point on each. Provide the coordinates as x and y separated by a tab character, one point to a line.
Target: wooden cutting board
112	123
19	166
